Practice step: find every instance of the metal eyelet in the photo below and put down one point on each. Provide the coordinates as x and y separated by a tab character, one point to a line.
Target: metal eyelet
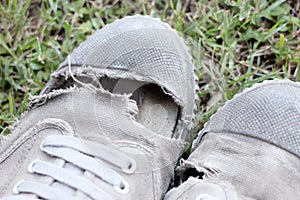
122	189
131	167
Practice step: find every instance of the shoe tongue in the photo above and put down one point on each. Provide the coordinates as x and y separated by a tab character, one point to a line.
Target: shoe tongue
106	114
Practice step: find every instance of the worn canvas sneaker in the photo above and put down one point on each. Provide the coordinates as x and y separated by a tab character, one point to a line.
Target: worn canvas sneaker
249	149
110	124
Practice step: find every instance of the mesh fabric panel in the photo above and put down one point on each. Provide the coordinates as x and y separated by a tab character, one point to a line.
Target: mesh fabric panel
144	46
269	111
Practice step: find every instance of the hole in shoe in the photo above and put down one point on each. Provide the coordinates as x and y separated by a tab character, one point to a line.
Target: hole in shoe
191	172
157	110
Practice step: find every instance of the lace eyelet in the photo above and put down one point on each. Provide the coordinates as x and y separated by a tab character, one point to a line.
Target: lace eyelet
30	169
123	189
15	189
131	168
42	146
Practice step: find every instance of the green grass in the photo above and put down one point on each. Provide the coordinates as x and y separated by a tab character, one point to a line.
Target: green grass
234	43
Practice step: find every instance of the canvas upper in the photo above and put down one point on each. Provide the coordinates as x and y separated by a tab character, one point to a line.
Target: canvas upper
111	123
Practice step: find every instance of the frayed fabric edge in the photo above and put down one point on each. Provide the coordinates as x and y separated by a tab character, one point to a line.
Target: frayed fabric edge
102	72
39	100
210	175
185	120
207	169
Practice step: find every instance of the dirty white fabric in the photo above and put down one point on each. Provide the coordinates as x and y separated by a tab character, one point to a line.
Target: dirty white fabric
252	143
138	48
256	169
88	117
269	111
129	160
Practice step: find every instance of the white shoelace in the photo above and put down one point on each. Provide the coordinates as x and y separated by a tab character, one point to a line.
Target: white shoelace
86	155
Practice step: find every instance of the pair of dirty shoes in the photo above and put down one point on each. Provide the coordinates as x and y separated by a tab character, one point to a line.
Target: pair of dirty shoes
116	116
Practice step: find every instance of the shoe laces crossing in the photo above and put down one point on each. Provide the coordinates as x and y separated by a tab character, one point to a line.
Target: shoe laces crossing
88	156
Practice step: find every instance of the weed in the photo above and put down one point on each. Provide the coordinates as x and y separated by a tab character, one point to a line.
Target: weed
234	43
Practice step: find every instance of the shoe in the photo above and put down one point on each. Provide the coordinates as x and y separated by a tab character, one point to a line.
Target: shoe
110	124
252	143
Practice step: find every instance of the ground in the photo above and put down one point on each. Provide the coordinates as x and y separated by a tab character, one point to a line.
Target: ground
234	43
